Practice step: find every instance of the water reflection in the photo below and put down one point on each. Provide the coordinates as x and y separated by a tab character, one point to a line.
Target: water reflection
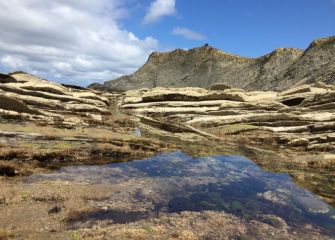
138	132
177	182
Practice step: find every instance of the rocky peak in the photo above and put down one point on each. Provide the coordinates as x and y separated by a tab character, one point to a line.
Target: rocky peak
283	51
323	41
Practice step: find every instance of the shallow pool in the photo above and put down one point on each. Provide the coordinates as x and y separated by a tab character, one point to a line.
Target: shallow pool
176	182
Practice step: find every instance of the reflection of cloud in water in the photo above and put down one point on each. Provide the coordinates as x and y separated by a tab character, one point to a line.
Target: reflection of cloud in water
177	182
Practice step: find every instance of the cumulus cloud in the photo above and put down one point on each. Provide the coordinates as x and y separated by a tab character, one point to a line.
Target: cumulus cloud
188	34
159	9
71	41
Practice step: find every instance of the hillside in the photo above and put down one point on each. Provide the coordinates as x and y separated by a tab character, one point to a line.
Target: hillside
206	66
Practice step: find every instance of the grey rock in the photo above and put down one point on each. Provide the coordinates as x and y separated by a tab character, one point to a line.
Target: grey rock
206	66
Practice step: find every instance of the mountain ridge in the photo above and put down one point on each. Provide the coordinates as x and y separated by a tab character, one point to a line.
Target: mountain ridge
206	66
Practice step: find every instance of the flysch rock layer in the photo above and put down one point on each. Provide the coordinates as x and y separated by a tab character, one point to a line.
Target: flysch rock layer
302	117
27	97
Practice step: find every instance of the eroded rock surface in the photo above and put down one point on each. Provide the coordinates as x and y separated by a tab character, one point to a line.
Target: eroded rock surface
301	118
45	125
27	97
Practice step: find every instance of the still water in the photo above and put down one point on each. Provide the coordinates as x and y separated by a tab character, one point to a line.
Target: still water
179	182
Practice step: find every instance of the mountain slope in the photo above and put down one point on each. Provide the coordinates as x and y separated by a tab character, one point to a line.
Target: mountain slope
206	66
316	64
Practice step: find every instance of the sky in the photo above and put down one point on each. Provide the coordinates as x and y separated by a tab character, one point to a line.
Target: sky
84	41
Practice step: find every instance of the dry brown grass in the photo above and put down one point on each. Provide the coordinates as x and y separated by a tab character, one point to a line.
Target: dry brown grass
50	136
9	153
53	132
6	235
78	215
7	169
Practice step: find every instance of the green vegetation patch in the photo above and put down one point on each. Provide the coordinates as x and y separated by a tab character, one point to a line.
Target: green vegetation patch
237	128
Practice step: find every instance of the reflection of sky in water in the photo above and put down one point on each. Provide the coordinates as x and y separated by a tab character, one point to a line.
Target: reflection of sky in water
230	183
138	132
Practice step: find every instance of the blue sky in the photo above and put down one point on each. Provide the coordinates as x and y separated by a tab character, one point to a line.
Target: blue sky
80	42
246	27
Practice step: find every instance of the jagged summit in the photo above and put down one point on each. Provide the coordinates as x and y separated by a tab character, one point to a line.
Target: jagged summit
206	66
322	41
280	51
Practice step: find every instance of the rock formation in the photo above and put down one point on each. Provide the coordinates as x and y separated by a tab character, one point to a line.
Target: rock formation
45	125
206	66
28	97
300	117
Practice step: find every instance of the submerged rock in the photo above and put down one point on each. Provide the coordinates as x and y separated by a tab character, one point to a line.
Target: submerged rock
275	197
311	204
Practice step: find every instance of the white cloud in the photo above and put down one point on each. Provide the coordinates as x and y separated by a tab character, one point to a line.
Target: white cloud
68	40
12	61
188	33
159	9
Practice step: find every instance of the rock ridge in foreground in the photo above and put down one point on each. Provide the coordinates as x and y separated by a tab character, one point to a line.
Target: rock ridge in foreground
301	117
